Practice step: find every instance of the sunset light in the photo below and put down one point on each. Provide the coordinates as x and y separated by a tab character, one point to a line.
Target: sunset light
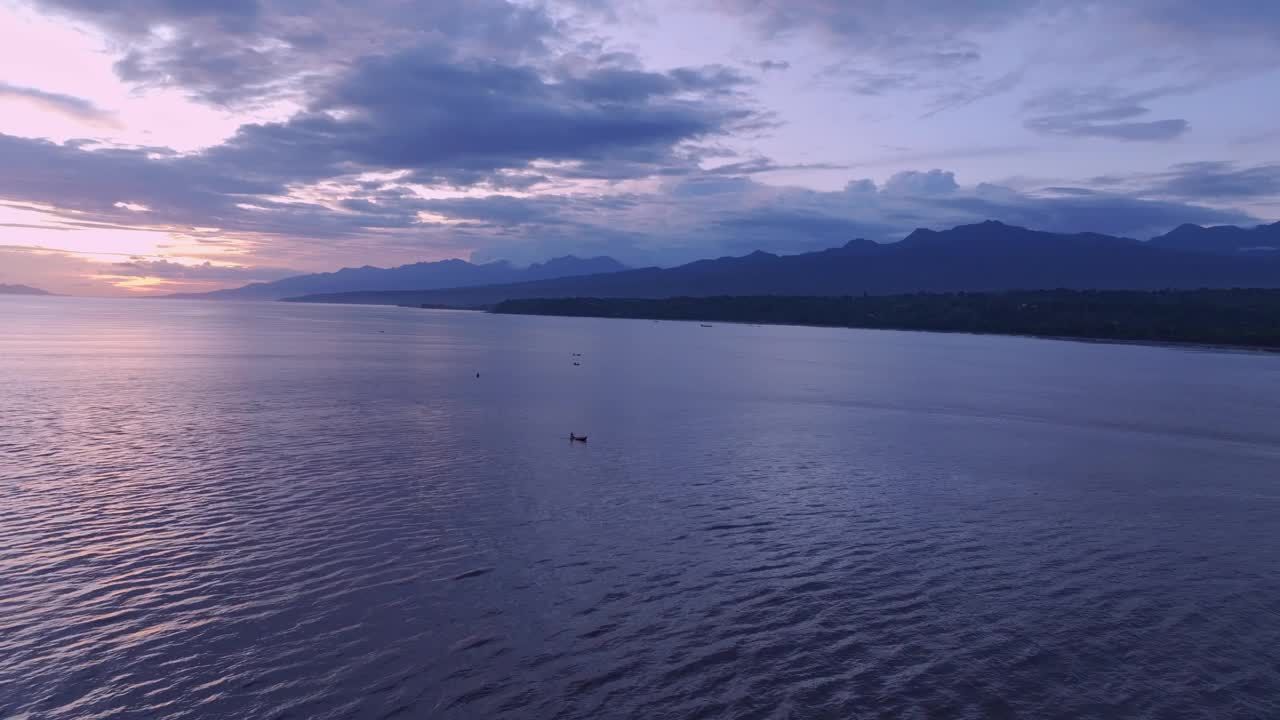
640	359
691	132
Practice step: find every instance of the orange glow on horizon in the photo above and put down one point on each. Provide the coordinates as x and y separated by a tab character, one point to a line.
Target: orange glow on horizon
136	284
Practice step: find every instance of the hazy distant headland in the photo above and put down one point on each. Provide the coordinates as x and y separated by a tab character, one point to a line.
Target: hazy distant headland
984	257
417	276
1249	318
21	290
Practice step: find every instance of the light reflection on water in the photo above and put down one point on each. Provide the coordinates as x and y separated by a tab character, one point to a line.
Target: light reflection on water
264	510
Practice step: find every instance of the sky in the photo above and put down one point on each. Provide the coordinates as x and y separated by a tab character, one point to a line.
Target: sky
156	146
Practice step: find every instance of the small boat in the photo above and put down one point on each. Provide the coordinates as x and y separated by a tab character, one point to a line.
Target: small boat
579	364
705	325
577	438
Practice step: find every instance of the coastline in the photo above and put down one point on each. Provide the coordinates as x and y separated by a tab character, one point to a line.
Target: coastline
1172	344
1131	327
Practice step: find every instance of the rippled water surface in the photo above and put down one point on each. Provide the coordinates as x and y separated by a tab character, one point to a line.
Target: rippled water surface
273	510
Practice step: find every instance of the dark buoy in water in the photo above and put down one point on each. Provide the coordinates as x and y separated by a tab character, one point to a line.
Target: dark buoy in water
477	374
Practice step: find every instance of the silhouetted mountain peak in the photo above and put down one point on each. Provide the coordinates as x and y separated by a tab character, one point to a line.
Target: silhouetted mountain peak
990	228
857	246
919	235
1261	240
561	261
982	257
996	236
860	244
988	232
572	265
416	276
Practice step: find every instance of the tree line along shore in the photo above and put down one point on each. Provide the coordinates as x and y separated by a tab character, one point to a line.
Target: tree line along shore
1231	317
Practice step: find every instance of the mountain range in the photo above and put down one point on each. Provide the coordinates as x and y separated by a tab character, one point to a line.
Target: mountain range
418	276
988	256
1260	241
21	290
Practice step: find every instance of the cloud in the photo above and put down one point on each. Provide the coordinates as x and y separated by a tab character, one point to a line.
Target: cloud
772	65
945	86
906	156
968	93
500	210
702	215
71	273
1194	21
206	271
758	165
137	16
1070	210
1155	131
1201	181
241	52
878	25
1104	112
1259	137
944	31
914	182
56	272
764	227
462	123
485	123
78	180
562	144
693	214
942	55
217	51
861	81
69	105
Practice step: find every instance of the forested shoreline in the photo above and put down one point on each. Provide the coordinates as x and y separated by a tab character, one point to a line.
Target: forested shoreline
1240	317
